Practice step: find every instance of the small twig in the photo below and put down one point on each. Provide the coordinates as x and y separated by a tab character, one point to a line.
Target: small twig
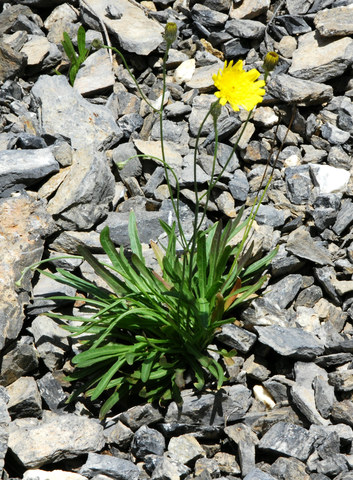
104	28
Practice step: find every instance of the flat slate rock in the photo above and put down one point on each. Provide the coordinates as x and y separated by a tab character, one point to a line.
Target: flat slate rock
288	439
290	342
301	244
54	438
91	124
127	22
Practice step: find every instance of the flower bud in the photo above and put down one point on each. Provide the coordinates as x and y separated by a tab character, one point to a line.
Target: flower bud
96	44
215	110
270	61
170	33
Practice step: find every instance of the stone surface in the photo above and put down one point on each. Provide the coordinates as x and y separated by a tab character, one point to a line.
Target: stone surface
91	125
53	438
299	91
23	227
111	466
334	22
126	24
319	59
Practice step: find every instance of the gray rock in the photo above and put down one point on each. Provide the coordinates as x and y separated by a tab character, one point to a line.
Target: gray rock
239	186
342	380
207	17
230	403
20	217
147	441
95	75
285	290
324	396
269	215
299	91
136	417
116	433
338	158
257	474
21	358
12	63
342	412
334	465
107	465
303	246
90	125
51	392
246	441
334	22
62	438
309	297
320	59
51	341
19	168
344	217
24	398
245	28
333	134
288	439
236	337
289	469
83	197
290	342
299	184
126	25
325	275
185	449
168	468
4	428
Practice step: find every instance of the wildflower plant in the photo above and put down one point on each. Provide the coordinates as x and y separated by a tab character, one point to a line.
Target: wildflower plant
150	331
76	60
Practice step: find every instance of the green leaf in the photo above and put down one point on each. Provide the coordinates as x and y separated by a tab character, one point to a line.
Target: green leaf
69	48
134	238
81	43
106	378
201	264
147	365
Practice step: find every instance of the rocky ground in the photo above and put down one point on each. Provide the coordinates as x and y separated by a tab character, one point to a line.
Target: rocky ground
287	410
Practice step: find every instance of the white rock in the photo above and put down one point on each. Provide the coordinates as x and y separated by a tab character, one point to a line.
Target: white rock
96	74
262	395
292	161
330	179
36	49
185	71
54	475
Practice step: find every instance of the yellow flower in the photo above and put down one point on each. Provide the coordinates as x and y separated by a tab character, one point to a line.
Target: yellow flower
238	87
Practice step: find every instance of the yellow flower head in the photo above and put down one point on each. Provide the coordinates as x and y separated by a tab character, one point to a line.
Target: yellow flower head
238	87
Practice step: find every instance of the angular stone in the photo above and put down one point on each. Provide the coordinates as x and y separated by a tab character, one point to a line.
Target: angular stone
118	434
35	474
20	359
147	441
249	9
344	217
52	392
168	468
126	24
20	216
90	125
342	380
11	62
236	337
288	439
95	75
207	17
136	417
230	403
342	412
246	441
51	341
290	342
185	449
299	184
299	91
54	438
285	290
319	59
335	22
114	467
24	398
335	135
202	77
19	168
83	197
303	246
153	150
40	53
289	469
